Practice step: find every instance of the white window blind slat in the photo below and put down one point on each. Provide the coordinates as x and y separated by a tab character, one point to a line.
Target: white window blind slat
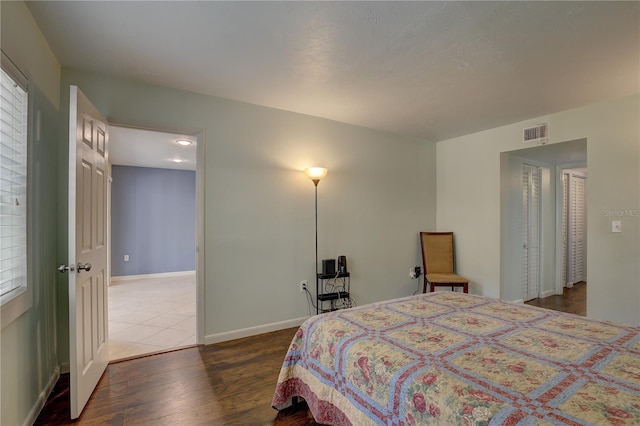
13	186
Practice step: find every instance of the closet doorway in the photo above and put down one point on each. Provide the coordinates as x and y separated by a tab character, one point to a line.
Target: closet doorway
533	245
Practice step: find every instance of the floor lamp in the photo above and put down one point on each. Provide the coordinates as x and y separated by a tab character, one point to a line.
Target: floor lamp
315	174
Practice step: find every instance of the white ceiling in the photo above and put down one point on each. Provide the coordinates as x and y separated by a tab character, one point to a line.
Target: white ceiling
572	152
432	70
148	148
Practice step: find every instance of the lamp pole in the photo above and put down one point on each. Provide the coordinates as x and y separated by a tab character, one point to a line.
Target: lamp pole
315	183
316	173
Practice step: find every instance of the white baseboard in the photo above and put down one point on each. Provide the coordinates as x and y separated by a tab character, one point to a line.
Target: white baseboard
544	294
42	398
145	276
548	293
252	331
65	368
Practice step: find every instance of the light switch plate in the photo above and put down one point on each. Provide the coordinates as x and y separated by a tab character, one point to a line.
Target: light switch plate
616	226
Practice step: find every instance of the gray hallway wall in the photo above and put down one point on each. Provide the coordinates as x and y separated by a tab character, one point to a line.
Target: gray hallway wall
153	220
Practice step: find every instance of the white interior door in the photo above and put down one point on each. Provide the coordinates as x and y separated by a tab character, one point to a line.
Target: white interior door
530	232
88	322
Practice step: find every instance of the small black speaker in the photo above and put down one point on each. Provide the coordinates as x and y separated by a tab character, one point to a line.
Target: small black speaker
328	266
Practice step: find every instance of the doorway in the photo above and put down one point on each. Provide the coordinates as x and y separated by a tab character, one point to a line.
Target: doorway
543	188
153	291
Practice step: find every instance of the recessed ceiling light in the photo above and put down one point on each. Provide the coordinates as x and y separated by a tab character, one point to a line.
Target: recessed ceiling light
184	142
177	160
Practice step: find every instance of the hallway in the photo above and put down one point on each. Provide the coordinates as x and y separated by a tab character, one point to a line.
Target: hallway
151	315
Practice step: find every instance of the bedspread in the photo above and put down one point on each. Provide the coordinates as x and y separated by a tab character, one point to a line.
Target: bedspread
457	359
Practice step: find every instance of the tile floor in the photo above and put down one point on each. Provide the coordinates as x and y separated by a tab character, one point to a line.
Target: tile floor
151	314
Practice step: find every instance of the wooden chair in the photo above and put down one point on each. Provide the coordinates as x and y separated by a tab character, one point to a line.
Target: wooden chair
438	262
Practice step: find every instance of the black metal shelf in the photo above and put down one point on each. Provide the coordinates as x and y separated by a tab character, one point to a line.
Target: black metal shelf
333	296
335	275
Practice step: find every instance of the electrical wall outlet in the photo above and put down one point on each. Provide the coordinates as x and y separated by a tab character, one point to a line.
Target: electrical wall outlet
303	285
126	257
414	272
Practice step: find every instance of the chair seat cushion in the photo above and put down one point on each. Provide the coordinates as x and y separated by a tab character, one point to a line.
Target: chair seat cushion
446	279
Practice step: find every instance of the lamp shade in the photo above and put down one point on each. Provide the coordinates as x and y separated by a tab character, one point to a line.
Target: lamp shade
316	173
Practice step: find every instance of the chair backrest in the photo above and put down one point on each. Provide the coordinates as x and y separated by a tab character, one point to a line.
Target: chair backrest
437	252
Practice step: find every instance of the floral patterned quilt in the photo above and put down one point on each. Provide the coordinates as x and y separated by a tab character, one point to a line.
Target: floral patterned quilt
450	358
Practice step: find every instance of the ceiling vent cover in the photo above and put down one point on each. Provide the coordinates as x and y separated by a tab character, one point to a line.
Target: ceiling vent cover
537	133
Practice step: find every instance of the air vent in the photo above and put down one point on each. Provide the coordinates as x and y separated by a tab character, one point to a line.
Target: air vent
538	133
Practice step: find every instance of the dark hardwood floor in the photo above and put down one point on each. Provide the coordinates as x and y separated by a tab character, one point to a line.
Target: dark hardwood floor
573	300
228	383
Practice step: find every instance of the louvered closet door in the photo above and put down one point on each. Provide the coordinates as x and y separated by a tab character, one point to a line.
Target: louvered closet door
530	232
576	229
565	229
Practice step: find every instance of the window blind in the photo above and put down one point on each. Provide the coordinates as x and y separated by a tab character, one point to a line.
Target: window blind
13	186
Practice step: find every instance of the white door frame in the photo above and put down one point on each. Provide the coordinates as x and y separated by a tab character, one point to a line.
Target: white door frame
200	206
200	230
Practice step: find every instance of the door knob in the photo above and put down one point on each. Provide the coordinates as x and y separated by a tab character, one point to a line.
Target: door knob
86	267
64	268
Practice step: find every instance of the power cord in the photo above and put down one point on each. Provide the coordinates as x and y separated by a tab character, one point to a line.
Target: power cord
331	286
417	278
310	302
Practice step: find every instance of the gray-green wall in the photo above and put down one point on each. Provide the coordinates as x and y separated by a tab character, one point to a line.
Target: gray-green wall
469	175
259	205
29	360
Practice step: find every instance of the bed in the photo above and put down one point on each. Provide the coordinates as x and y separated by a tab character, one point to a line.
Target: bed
450	358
